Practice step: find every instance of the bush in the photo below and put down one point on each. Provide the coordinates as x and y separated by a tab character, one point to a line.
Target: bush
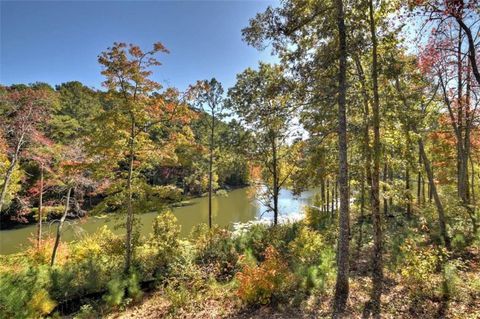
25	294
258	237
123	290
419	264
215	251
161	248
313	260
260	284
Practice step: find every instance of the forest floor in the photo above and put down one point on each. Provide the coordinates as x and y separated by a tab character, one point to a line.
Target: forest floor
398	300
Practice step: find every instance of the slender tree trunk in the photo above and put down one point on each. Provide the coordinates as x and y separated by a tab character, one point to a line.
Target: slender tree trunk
276	178
40	211
129	224
210	172
377	256
407	189
419	181
6	181
429	172
424	196
328	196
336	195
60	226
362	213
384	189
341	287
390	198
474	200
471	48
11	168
322	194
438	202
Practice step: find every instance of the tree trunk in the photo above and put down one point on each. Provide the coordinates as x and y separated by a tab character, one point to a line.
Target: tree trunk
407	190
384	189
6	181
429	172
40	209
328	196
362	213
377	263
60	226
341	287
129	224
322	194
276	178
10	170
471	48
210	172
438	202
419	181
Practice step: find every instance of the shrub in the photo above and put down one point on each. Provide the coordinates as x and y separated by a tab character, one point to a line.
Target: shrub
123	290
260	284
215	251
313	260
258	237
161	249
25	294
419	264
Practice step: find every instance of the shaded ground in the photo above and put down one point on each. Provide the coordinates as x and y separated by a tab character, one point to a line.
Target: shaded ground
398	301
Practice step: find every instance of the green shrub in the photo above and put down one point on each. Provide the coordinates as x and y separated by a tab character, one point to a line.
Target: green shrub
161	248
123	290
25	294
215	251
419	265
313	260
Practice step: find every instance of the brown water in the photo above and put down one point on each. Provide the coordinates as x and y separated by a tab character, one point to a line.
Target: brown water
238	206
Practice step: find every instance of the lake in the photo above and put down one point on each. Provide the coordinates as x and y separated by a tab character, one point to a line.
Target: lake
239	206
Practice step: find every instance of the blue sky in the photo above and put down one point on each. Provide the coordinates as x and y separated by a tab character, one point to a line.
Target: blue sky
58	41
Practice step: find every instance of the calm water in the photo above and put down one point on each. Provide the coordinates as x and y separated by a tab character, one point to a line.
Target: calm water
238	206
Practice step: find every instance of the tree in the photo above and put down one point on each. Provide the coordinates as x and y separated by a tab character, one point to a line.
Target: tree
140	126
209	100
23	111
453	24
78	106
341	287
263	100
377	265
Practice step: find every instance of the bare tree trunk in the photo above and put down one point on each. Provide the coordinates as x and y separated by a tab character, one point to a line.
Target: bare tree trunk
40	210
474	200
385	181
210	172
438	202
129	224
60	226
328	196
276	178
429	172
341	287
8	175
407	189
6	181
362	213
419	181
471	48
377	256
322	194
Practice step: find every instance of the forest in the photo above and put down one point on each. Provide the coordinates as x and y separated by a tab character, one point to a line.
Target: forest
372	110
